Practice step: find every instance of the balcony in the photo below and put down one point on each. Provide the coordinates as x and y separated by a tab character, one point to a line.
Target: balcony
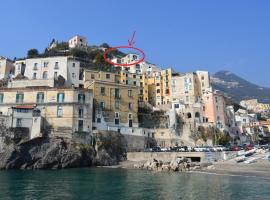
35	68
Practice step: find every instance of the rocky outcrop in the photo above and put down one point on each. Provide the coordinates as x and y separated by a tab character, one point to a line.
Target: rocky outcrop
179	164
58	153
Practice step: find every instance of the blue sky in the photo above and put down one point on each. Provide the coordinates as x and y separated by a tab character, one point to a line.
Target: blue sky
185	34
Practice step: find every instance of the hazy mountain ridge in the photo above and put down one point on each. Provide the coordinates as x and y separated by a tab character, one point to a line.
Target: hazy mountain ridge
239	88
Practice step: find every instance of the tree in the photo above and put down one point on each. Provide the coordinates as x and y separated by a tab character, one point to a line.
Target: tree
32	53
105	45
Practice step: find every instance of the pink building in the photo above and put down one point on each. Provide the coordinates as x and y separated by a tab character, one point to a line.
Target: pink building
214	109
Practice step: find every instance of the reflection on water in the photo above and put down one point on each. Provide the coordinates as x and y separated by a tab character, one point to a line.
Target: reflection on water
104	183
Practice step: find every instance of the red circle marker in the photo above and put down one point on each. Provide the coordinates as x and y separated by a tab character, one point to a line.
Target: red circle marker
123	47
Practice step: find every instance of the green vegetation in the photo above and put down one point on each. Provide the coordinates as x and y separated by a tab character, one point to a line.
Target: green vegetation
32	53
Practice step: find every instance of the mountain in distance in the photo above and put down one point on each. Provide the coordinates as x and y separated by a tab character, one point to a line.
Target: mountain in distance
238	88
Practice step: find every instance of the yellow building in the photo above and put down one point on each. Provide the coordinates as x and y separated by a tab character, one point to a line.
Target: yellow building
160	87
115	101
65	111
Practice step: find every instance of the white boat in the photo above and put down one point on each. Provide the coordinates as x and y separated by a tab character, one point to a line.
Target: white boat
240	159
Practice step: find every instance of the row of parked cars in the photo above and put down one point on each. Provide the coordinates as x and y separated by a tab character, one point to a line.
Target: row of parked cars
217	148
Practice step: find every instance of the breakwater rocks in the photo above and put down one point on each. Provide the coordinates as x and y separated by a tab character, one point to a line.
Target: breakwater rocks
179	164
58	153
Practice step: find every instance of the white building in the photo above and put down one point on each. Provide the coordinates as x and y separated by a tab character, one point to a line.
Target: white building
19	67
77	42
49	68
6	67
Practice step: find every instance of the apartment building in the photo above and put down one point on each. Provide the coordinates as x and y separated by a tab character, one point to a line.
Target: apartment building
64	111
186	88
115	102
50	68
160	87
204	80
6	67
214	109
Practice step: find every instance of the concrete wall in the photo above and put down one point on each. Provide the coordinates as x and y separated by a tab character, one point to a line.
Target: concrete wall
168	156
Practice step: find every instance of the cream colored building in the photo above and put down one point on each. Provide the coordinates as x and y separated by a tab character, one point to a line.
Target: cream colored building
186	88
65	111
204	79
6	67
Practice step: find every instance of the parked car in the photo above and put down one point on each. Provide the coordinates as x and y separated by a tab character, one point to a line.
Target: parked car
219	148
156	149
148	150
248	147
235	148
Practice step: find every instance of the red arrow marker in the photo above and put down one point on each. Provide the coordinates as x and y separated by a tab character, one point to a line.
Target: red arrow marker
132	42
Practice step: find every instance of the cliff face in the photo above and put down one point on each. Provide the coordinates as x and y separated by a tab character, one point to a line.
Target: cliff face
58	153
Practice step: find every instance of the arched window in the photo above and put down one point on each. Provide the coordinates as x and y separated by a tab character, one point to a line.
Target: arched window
197	115
45	75
189	115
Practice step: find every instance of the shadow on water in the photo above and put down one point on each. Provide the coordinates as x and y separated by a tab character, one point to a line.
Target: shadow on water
104	183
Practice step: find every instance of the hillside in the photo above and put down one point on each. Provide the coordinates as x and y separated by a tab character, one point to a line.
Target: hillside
239	88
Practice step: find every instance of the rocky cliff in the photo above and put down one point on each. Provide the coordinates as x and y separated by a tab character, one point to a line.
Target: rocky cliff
56	153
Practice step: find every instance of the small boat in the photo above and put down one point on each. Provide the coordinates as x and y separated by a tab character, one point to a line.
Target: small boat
240	159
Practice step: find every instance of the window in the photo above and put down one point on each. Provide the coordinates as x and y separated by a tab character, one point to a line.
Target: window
45	64
81	98
80	125
60	97
56	65
73	75
59	111
55	75
130	93
158	90
126	82
45	75
134	76
158	84
130	106
92	76
202	77
19	122
80	112
102	105
187	98
116	119
19	98
102	90
98	120
40	97
73	64
176	105
117	104
108	76
35	66
1	98
34	75
216	99
167	91
117	93
134	82
129	116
